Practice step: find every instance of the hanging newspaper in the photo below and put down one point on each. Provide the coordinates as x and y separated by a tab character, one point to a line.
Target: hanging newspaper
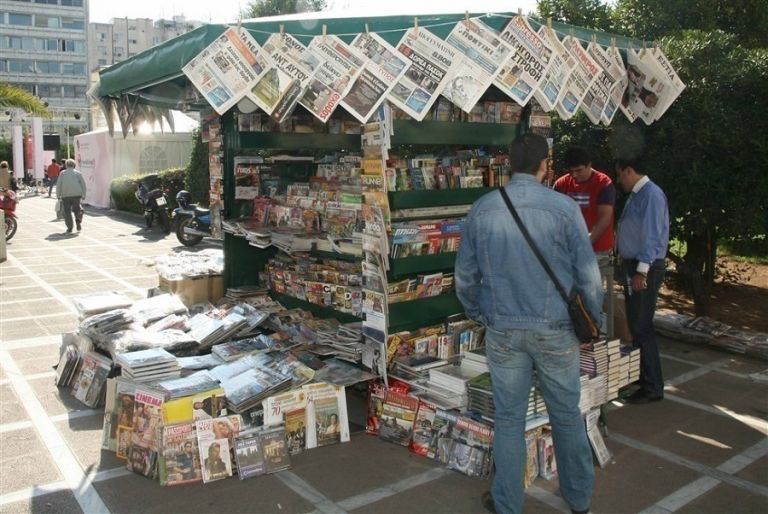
562	63
660	60
227	68
580	80
482	55
279	90
615	73
523	74
338	69
384	66
596	99
431	60
647	89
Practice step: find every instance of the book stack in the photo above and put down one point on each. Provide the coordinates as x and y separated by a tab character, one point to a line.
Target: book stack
186	386
248	389
453	379
236	349
69	362
97	303
594	358
148	365
634	362
623	370
594	392
475	360
208	330
614	379
105	323
481	396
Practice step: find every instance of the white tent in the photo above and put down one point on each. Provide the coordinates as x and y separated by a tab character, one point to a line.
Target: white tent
101	157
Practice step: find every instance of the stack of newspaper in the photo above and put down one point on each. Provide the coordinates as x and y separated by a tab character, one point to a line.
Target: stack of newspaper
148	365
208	330
594	392
250	388
615	378
475	360
453	379
69	361
634	362
109	322
481	396
89	383
96	303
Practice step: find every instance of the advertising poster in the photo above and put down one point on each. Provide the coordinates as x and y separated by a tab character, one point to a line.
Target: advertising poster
338	68
482	56
552	88
226	69
384	66
647	88
584	73
524	72
279	90
431	61
597	98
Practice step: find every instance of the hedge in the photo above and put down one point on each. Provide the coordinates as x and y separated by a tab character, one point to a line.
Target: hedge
122	189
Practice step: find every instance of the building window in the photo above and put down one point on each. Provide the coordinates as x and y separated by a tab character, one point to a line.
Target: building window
102	62
21	66
49	67
51	22
20	19
118	50
72	3
133	41
72	23
3	66
101	49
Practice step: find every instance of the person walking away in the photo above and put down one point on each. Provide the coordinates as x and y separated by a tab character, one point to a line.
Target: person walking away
71	189
53	175
502	285
643	237
5	175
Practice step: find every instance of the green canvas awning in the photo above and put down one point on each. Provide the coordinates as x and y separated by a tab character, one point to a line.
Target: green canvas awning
155	75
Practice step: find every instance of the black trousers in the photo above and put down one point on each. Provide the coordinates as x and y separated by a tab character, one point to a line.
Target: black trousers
71	206
641	307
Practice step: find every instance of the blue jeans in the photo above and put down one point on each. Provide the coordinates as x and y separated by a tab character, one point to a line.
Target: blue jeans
512	357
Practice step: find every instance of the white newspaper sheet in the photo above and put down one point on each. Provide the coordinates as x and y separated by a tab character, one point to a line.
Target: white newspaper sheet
617	90
227	68
562	63
647	89
657	57
580	81
483	54
524	72
597	97
384	66
431	60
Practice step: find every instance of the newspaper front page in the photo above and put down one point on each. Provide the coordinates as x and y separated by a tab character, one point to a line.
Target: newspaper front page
338	68
597	97
580	81
227	68
657	57
384	66
617	90
647	90
552	88
278	91
431	64
522	75
482	56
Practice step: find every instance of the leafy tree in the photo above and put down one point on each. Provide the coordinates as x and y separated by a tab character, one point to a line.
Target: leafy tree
591	14
261	8
6	150
15	97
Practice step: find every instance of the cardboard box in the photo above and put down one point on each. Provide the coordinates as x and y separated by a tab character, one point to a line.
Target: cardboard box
215	288
191	290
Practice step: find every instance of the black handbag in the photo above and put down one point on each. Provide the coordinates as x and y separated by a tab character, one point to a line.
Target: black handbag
583	325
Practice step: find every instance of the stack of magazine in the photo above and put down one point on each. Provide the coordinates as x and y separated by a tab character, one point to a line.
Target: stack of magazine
69	362
247	389
186	386
148	365
89	383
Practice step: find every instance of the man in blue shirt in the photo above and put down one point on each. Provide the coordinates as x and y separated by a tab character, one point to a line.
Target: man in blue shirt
642	240
502	285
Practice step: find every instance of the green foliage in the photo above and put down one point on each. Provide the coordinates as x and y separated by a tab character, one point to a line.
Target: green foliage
591	14
6	150
196	175
15	97
261	8
122	189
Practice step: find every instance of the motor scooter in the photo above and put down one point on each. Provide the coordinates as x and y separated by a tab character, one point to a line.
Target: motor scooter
193	223
8	202
155	202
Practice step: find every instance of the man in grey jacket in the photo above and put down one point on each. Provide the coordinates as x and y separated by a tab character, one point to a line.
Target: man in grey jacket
70	188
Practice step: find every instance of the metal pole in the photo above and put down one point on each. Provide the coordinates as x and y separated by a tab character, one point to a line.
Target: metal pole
66	130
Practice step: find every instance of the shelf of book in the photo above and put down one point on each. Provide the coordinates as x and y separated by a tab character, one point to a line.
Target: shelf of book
422	312
435	197
412	132
289	302
291	141
421	263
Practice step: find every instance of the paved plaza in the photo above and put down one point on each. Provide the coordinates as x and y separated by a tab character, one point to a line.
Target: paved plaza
701	450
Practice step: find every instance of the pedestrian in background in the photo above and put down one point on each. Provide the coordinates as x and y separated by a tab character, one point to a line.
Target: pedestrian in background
53	175
502	285
5	175
643	237
70	188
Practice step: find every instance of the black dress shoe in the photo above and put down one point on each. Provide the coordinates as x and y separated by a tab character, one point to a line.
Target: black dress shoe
641	396
487	500
579	511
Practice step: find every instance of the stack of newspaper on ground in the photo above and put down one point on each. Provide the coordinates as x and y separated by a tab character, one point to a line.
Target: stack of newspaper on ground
92	304
633	354
594	392
186	386
148	365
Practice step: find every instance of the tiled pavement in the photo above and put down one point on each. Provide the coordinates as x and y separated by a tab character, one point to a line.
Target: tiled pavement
702	450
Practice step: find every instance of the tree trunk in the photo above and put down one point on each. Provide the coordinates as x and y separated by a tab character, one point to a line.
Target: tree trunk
700	271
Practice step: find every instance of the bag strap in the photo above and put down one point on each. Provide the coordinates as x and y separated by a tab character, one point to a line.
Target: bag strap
533	246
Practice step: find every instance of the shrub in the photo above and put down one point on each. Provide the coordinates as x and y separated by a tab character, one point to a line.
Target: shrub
196	176
122	189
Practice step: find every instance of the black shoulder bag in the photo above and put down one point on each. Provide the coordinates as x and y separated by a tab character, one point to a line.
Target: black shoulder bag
583	325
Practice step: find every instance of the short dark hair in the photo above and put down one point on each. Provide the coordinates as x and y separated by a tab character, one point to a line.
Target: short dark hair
576	156
636	163
527	152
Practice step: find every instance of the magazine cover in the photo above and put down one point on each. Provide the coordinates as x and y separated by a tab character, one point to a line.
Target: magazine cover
179	457
227	68
431	65
562	63
397	418
296	430
384	66
442	440
531	59
327	427
276	457
339	68
282	86
118	412
147	417
141	460
213	439
471	448
89	383
327	419
123	441
424	429
376	393
249	455
247	185
580	80
482	55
